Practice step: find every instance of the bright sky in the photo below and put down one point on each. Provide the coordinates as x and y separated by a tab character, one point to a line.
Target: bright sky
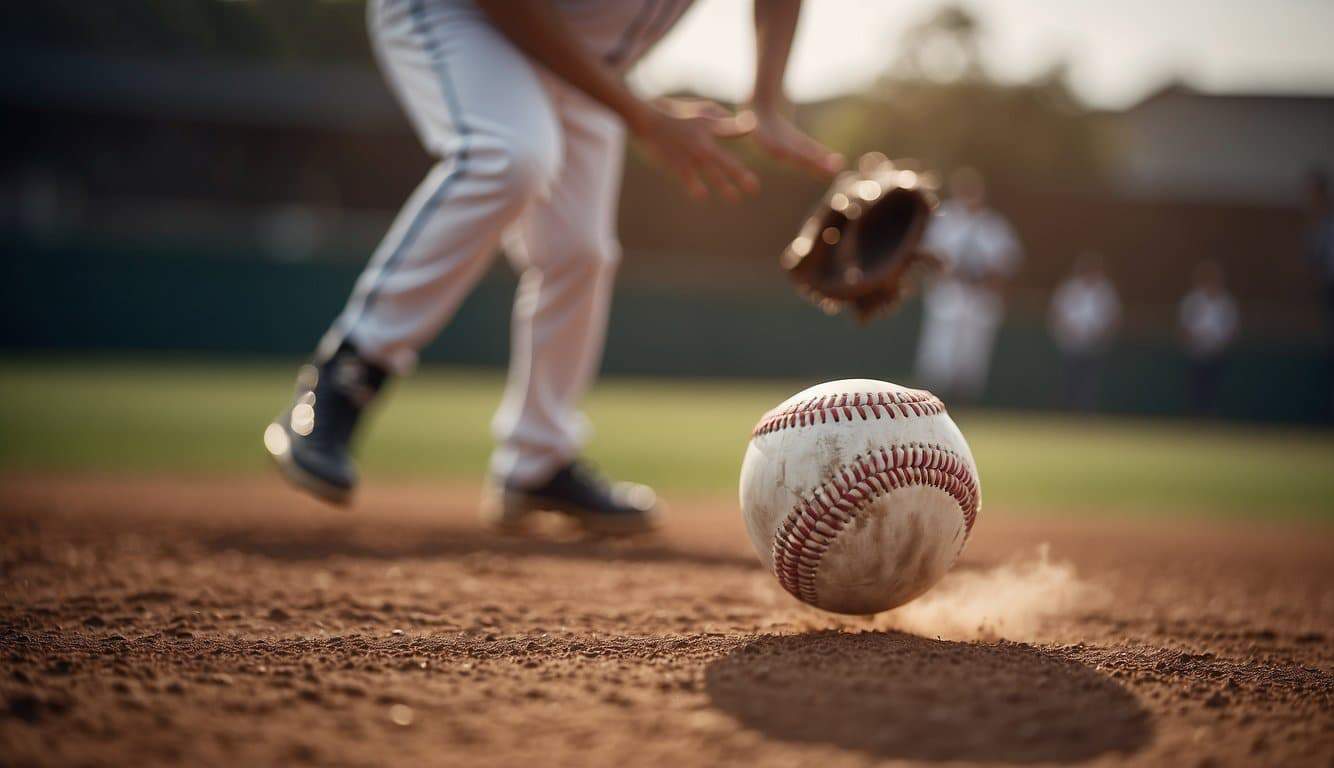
1121	49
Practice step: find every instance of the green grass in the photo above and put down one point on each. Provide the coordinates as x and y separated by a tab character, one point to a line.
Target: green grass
683	436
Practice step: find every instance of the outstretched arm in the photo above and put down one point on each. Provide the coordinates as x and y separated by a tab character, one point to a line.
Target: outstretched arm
775	28
682	140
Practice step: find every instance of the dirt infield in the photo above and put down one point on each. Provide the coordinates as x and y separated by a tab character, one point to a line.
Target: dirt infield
230	622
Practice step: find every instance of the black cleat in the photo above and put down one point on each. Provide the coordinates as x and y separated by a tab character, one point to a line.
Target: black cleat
598	506
310	441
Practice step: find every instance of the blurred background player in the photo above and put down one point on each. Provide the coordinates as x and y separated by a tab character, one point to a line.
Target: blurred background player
1084	314
1208	319
964	307
524	105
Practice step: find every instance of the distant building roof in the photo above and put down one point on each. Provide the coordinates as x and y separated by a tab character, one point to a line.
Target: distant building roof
1183	143
217	90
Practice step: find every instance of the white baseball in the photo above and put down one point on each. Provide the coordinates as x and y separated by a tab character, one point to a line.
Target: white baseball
859	494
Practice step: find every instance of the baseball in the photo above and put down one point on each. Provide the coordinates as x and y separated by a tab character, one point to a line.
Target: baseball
858	494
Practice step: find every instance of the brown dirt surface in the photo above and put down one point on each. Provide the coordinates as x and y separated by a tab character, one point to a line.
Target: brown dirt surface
229	622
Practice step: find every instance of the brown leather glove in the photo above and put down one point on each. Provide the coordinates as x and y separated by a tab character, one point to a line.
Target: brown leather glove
861	246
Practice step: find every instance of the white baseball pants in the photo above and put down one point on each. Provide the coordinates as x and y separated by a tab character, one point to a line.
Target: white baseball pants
959	328
525	158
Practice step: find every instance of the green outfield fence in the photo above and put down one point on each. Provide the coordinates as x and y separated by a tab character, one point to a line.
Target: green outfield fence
72	299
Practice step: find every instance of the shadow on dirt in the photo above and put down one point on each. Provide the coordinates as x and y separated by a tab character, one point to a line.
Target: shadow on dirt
894	695
394	542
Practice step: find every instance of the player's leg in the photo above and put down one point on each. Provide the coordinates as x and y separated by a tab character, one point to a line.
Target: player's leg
567	253
480	107
976	338
936	347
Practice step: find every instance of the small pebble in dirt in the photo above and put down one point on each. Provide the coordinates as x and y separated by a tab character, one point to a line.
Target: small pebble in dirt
278	614
401	714
397	633
1216	701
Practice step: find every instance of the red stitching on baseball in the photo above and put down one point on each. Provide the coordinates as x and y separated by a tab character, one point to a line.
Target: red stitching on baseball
816	522
845	407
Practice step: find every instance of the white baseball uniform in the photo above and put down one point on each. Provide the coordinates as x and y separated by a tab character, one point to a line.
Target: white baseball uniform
1084	312
525	158
1209	322
962	314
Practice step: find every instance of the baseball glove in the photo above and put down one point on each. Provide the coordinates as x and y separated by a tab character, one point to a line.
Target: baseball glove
861	248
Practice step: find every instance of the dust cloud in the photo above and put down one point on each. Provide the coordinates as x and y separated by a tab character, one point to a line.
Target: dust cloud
1010	601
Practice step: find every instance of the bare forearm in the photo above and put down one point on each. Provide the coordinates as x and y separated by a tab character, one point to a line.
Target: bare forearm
684	143
538	29
775	28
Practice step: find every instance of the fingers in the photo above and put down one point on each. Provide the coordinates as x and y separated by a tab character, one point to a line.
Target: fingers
690	179
809	154
694	186
722	122
728	171
692	174
688	148
705	166
733	126
818	157
686	109
715	170
707	109
721	184
795	147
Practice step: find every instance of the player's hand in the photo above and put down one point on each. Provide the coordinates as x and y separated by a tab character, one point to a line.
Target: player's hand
682	136
776	134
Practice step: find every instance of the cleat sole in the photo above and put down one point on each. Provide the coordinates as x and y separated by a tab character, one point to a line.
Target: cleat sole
279	450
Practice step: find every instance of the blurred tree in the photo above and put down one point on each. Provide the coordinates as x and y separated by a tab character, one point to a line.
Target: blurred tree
937	102
941	48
